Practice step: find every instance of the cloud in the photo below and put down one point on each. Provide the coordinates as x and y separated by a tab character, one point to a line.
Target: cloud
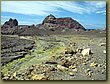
27	8
103	11
44	8
5	18
96	6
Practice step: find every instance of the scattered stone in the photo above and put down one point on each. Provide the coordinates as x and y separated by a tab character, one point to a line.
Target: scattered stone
102	44
93	64
92	79
79	50
69	51
14	75
71	73
69	58
75	69
104	51
39	77
99	65
88	72
86	52
102	71
5	78
72	67
87	59
84	63
61	67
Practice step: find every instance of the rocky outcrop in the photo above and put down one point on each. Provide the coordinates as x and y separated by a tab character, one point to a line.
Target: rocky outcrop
49	19
11	23
11	27
50	25
53	22
13	48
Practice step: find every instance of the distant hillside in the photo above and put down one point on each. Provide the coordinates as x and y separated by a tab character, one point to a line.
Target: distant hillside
50	25
67	22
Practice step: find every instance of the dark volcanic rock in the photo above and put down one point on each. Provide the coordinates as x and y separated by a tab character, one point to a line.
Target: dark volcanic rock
15	22
53	22
50	25
10	23
49	19
11	27
13	48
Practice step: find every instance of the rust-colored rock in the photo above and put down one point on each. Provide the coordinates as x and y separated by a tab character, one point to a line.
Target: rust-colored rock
67	22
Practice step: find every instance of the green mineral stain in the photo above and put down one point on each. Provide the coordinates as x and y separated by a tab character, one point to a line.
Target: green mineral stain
36	57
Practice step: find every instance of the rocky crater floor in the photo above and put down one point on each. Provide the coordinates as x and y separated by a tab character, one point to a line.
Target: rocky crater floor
53	57
56	49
